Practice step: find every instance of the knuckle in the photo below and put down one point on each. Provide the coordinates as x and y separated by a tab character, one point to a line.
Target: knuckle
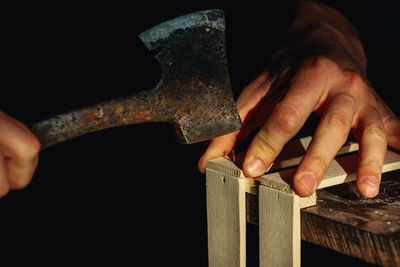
265	146
318	164
322	61
345	100
20	183
339	122
372	166
287	119
28	148
319	65
354	82
35	146
375	129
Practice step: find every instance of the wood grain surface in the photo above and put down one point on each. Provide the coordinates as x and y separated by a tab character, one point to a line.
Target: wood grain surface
344	221
226	219
279	228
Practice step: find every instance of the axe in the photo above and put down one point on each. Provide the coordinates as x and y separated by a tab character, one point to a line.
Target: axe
193	94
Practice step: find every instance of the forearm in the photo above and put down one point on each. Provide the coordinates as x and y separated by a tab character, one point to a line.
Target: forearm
320	30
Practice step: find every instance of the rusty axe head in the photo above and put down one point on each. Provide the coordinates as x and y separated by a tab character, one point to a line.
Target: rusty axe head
194	92
195	81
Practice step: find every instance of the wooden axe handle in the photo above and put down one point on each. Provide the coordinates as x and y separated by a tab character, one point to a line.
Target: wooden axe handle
123	111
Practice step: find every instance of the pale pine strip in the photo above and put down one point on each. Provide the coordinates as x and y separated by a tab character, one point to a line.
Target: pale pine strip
226	219
279	228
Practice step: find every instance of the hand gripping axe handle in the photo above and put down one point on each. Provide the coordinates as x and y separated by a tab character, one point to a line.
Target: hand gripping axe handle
193	94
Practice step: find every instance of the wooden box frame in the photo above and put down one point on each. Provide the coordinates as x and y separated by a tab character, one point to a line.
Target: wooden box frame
232	201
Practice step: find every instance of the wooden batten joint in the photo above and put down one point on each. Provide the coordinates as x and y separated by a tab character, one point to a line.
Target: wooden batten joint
281	181
225	166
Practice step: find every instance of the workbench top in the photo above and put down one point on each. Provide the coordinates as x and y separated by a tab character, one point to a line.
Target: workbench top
364	228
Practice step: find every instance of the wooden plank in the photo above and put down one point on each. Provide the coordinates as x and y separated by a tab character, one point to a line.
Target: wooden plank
252	185
293	152
226	166
252	213
310	201
279	227
349	166
226	219
344	221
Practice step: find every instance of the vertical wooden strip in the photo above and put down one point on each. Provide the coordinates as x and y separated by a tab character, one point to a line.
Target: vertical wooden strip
279	226
226	219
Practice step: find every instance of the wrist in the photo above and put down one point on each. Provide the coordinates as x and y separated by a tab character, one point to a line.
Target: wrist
318	30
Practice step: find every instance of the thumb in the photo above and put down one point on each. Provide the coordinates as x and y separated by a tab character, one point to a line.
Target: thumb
218	147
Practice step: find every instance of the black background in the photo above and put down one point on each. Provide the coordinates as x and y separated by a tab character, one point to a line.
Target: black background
131	195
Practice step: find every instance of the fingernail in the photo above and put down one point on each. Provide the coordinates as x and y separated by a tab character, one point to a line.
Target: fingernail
372	185
309	182
255	168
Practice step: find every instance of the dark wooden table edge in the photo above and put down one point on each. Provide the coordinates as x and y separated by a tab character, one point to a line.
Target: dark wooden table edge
349	240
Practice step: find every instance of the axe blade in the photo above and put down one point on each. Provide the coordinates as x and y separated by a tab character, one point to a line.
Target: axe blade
195	78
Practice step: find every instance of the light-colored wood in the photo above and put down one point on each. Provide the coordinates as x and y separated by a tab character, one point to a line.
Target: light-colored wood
279	180
283	180
252	185
226	205
279	228
344	169
310	201
226	218
225	166
348	166
392	161
293	152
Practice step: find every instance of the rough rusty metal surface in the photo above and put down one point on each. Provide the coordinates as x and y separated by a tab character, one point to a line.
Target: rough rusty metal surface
194	93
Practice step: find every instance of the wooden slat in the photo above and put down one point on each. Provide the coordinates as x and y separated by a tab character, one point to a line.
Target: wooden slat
293	152
226	219
348	164
279	227
344	169
225	166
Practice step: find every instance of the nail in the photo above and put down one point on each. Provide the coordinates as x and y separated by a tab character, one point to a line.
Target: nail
309	182
255	168
269	167
372	185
